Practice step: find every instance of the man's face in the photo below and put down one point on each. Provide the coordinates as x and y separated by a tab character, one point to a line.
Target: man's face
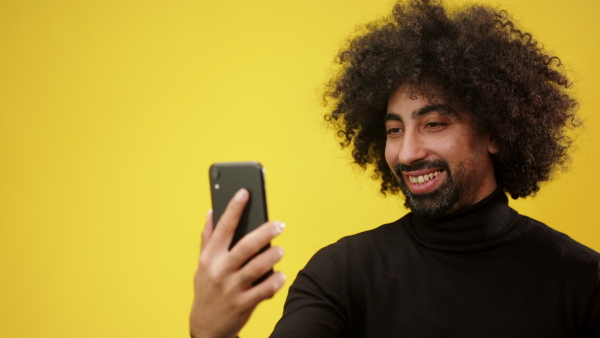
442	164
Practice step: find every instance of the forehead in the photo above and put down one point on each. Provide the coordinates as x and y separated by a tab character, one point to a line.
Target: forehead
413	102
406	97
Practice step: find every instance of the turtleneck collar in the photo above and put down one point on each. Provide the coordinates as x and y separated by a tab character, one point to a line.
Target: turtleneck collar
480	226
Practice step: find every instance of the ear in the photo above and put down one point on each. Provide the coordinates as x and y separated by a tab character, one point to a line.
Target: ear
492	145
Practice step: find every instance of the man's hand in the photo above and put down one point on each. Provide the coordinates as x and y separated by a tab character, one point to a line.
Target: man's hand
224	294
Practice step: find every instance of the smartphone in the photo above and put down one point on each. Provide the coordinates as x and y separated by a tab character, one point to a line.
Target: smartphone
226	178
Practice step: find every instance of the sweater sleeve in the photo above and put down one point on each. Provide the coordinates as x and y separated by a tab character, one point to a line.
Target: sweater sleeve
316	305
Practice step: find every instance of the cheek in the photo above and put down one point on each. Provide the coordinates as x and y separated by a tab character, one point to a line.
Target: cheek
391	154
466	152
455	149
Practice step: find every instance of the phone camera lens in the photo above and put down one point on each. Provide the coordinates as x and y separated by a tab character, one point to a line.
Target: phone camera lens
214	173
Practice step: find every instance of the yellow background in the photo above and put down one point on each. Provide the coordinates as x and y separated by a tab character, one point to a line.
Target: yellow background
112	111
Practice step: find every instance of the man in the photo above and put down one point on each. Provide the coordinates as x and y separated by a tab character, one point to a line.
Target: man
455	109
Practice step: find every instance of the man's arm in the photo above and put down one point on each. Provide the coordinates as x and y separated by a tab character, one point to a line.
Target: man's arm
224	294
316	305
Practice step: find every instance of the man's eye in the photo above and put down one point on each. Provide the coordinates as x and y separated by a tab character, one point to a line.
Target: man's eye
435	125
393	131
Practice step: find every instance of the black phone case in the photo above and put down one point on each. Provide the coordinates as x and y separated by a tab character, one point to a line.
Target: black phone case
226	179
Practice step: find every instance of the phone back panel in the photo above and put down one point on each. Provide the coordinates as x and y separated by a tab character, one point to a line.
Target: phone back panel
225	180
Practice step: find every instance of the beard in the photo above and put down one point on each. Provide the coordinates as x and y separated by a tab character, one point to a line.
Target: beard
457	191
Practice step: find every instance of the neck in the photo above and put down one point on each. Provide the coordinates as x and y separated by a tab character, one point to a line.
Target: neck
473	227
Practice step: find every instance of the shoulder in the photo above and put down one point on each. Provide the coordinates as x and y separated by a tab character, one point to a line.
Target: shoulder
567	265
353	260
551	241
557	255
382	238
381	249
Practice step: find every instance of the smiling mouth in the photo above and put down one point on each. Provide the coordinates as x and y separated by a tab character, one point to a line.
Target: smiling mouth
423	178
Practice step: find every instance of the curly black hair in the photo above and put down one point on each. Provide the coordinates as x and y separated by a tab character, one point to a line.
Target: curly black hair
510	85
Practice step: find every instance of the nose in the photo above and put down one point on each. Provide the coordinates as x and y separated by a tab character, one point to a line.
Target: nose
412	148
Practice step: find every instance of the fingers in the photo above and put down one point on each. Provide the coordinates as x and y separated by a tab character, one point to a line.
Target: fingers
252	243
259	266
208	229
224	229
264	290
224	279
216	240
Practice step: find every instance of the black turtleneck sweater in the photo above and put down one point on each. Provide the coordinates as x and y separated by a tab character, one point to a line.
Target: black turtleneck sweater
485	271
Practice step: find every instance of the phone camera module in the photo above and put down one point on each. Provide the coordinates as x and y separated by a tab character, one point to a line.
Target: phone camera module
214	173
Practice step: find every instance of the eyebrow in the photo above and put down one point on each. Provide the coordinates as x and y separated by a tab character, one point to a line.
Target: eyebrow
443	109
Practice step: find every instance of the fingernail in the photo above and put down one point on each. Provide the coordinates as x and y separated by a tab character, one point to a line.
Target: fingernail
280	251
281	281
241	195
279	226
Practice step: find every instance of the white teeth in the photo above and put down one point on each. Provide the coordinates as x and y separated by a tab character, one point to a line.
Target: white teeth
423	178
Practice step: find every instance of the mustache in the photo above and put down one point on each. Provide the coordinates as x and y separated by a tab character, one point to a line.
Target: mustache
399	167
